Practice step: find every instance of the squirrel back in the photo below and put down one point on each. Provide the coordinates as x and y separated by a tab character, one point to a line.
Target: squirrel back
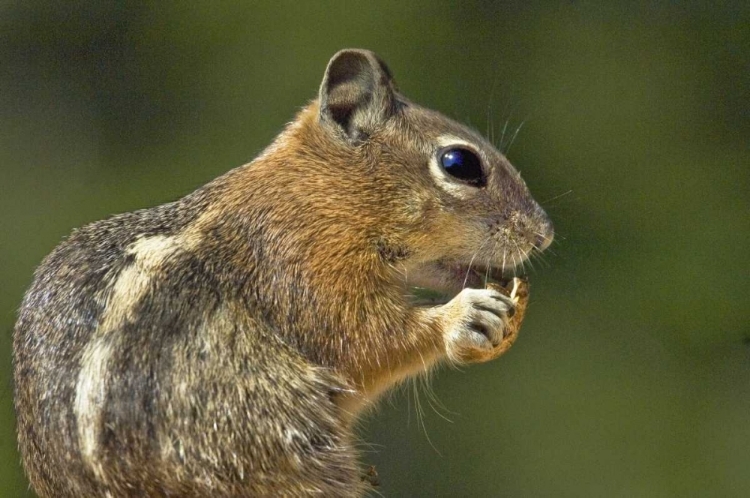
223	344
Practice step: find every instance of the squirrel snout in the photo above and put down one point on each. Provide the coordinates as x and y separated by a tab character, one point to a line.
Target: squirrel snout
545	236
544	241
534	229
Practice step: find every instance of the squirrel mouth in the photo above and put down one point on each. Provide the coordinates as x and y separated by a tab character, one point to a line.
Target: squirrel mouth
473	276
478	277
450	278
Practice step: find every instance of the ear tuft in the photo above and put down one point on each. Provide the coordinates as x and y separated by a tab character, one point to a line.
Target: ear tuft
357	93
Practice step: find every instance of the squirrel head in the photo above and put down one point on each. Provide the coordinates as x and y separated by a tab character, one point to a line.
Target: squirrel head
433	197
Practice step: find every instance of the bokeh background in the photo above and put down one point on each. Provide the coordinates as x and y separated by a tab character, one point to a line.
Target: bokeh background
632	373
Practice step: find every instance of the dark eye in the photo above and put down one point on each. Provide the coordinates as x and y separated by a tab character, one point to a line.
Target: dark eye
464	165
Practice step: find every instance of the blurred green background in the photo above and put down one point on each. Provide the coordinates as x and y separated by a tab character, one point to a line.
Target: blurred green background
631	377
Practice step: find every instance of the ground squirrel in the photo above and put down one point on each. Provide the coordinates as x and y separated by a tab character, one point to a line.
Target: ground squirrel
223	344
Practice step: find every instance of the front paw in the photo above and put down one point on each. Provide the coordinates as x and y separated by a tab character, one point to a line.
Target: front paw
476	323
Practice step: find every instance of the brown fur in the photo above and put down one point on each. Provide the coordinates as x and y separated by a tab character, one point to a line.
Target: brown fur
223	345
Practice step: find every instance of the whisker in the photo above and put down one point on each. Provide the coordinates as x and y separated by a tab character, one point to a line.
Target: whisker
540	257
490	134
437	406
468	270
420	420
557	197
481	249
424	379
513	139
521	257
529	254
537	252
490	100
502	136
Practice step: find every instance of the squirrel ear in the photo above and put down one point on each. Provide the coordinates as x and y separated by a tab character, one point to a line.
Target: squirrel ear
357	93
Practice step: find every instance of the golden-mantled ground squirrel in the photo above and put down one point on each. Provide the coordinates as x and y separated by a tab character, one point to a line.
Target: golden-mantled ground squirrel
223	344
